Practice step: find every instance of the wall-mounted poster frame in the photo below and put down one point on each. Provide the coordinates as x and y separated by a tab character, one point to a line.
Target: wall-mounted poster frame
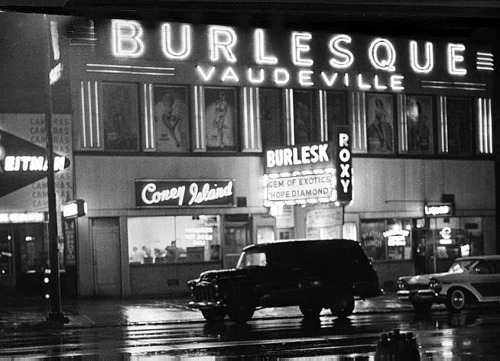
120	116
270	116
221	116
171	118
303	116
458	126
419	125
380	123
336	111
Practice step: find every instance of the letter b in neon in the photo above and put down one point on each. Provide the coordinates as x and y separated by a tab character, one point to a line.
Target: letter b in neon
127	38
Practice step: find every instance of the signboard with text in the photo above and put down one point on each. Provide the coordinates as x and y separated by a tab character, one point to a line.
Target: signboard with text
184	193
231	56
300	174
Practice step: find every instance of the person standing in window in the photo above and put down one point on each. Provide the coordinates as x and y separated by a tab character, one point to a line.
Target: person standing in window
137	256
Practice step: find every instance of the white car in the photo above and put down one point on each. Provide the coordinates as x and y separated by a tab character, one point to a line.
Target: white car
469	280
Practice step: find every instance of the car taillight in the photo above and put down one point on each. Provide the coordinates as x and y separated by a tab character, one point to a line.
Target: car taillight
435	285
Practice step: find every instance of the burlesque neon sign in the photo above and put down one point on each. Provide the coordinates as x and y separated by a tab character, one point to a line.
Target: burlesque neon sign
233	56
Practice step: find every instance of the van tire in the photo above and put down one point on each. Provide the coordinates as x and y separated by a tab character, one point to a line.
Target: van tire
240	306
214	314
240	312
343	305
309	309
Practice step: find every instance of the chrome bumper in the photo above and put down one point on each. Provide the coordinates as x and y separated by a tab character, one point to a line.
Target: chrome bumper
205	304
418	295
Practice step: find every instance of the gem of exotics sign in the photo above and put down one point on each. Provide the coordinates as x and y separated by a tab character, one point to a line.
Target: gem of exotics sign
300	174
184	193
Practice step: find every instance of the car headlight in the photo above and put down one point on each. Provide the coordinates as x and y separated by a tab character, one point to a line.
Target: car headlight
435	285
401	285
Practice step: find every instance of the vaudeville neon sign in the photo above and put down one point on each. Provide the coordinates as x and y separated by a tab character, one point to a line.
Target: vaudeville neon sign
220	53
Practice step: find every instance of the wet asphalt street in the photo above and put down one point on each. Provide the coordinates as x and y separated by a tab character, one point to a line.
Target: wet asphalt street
155	328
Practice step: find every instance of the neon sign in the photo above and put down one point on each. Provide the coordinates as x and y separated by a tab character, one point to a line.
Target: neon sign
343	164
438	209
179	193
28	163
300	187
224	54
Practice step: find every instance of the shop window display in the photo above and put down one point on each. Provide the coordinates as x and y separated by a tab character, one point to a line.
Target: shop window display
156	240
387	239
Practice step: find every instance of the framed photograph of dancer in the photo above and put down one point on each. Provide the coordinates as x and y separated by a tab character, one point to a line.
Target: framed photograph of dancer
171	118
220	118
380	123
419	124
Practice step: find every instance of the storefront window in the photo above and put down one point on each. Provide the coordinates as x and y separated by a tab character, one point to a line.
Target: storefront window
173	239
387	239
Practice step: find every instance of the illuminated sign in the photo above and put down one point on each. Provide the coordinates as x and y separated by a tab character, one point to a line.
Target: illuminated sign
182	193
294	158
23	163
438	209
25	217
396	237
343	164
300	187
74	209
236	56
446	236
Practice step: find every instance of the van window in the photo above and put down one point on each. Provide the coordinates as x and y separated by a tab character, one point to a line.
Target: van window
252	258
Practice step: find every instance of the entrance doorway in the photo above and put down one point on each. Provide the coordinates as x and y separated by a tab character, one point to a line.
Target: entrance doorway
106	246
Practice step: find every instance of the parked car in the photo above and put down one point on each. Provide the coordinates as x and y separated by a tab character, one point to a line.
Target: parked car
469	280
313	274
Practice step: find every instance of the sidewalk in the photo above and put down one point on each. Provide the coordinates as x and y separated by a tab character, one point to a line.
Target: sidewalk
32	311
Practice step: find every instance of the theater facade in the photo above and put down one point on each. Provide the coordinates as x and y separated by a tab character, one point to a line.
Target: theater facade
191	141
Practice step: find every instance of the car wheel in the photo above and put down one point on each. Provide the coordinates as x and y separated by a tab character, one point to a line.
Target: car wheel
310	309
457	299
240	312
421	306
343	305
214	314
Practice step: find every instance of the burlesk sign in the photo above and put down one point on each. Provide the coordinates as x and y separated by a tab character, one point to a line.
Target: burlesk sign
156	193
300	174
